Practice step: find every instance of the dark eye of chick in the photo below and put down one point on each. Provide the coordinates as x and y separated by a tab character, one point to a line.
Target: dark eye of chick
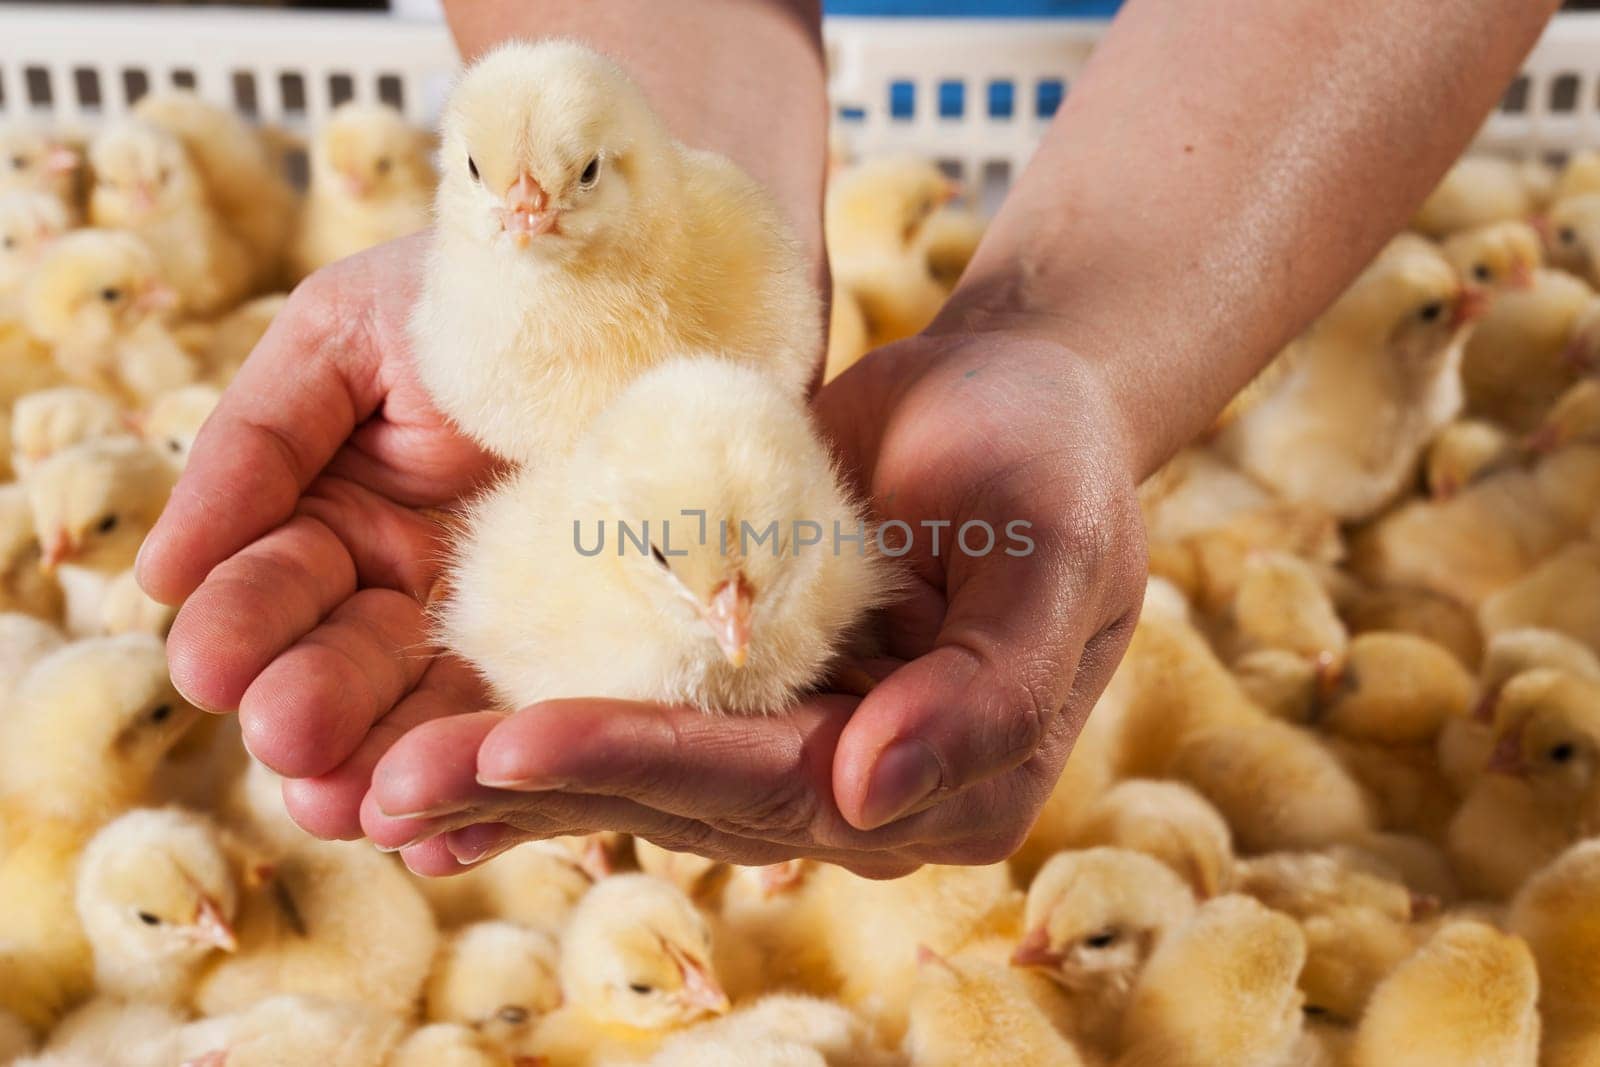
1314	1010
591	173
656	554
161	713
19	162
1104	939
111	294
10	243
644	989
148	919
384	164
1431	312
1567	235
472	168
106	525
1563	752
1482	273
174	445
515	1014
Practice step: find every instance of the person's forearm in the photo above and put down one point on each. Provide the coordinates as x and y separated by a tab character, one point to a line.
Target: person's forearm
1219	174
740	77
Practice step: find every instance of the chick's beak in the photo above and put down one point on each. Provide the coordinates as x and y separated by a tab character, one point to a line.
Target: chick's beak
1483	711
60	548
211	928
61	160
355	185
1035	951
779	877
728	615
1521	275
1507	756
700	987
1470	306
157	296
527	213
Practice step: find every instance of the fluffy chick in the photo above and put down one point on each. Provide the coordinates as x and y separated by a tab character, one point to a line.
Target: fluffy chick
371	182
449	1045
1349	951
32	160
23	586
1469	996
45	422
1561	594
1555	913
1365	389
1462	453
700	613
1581	175
28	223
777	1029
1574	241
1304	884
1220	989
1573	419
1548	733
497	978
1477	191
968	1011
534	885
24	641
949	240
635	965
1093	918
174	420
876	217
564	208
697	876
847	334
290	1029
1395	689
97	298
1519	357
1166	820
1496	256
1281	603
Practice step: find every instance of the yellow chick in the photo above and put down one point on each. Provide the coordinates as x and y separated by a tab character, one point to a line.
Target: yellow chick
1464	452
1561	594
1554	912
23	586
635	965
222	345
693	463
1349	951
1518	359
28	223
34	161
949	240
125	608
968	1011
335	919
1496	256
1574	236
1221	989
777	1029
1196	492
1581	175
1469	997
24	641
875	219
93	503
1477	191
1441	619
113	1032
847	334
578	244
497	978
697	876
371	182
1573	419
175	418
1286	685
1364	389
45	422
290	1029
98	299
534	885
1304	884
1281	603
1166	820
1395	689
449	1045
1092	919
157	894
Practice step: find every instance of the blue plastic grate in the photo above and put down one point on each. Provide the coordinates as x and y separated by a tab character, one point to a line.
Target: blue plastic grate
1048	97
952	99
1002	99
902	100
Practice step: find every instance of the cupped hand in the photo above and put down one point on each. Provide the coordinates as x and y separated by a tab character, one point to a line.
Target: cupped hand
993	660
303	541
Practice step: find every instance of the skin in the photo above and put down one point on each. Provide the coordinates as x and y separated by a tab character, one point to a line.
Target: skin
1193	206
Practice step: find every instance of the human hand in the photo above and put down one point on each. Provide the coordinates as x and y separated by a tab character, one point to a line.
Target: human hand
302	538
996	659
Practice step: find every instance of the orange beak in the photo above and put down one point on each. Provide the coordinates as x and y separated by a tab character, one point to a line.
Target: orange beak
1507	756
211	928
780	877
57	551
527	213
157	296
355	185
143	198
596	859
728	615
1470	306
700	987
1521	276
1331	680
62	160
1483	711
1035	951
1543	440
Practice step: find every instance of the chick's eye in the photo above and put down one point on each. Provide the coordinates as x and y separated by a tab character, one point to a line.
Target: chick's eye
10	243
644	989
1315	1010
1482	273
1567	235
1431	312
161	713
149	919
110	294
472	168
106	525
1563	753
515	1014
656	554
591	173
174	445
1104	939
384	164
19	162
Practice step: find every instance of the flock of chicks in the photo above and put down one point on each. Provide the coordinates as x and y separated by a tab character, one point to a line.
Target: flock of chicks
1333	808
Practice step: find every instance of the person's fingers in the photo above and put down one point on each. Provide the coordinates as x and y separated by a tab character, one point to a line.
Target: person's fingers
311	706
252	607
329	806
431	859
426	782
392	547
311	379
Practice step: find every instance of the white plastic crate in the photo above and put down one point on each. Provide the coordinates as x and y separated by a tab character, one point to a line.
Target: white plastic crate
949	78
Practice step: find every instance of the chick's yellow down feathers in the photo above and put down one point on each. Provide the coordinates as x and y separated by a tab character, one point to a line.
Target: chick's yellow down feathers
1477	191
694	462
1555	913
968	1011
578	244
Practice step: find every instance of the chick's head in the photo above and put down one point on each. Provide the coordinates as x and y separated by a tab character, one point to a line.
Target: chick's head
46	421
90	723
637	953
155	886
93	286
885	203
1410	303
550	151
141	172
1501	255
28	223
1094	917
1574	235
94	502
31	160
496	977
1548	732
175	418
369	152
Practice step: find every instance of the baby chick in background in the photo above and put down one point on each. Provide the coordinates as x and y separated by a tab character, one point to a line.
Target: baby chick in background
45	422
968	1011
33	160
93	503
450	1045
293	1030
698	613
498	978
1477	191
174	420
220	346
1561	594
578	244
949	240
99	300
1281	603
1497	256
1166	820
780	1028
24	641
1469	997
635	965
875	220
28	223
1520	356
24	586
1462	453
1555	913
536	885
700	878
1220	989
1349	951
1365	389
1573	419
371	181
1092	919
1574	236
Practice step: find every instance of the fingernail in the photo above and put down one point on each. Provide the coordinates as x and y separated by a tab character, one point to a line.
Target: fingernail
485	847
425	813
386	849
522	785
906	774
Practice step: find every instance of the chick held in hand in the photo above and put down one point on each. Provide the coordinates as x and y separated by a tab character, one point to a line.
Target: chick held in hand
577	244
681	603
